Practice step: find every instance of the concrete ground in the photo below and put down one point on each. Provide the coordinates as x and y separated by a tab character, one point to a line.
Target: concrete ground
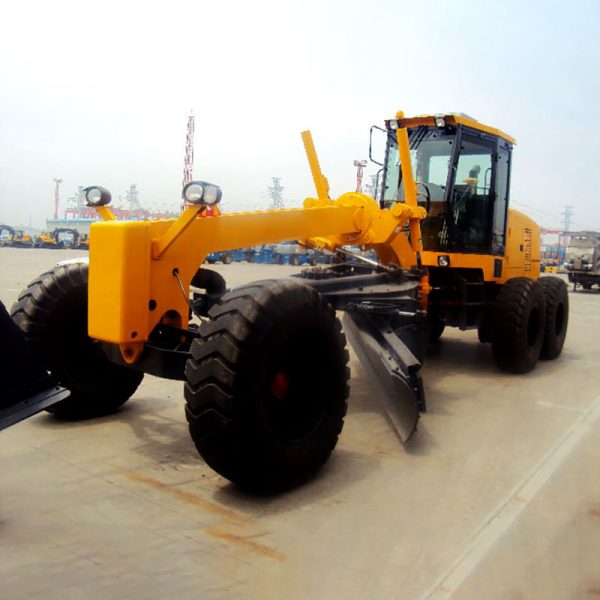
496	496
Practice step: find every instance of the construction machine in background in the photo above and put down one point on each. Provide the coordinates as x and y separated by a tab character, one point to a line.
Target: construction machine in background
265	365
582	259
61	237
83	242
44	240
6	235
17	238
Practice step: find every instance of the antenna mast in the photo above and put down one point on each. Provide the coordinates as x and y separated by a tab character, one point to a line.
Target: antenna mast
56	197
188	162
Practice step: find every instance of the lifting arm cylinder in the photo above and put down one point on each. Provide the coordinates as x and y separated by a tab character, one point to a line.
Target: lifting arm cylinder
320	180
408	180
410	187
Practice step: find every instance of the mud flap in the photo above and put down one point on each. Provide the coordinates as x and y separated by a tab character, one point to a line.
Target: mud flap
392	351
26	388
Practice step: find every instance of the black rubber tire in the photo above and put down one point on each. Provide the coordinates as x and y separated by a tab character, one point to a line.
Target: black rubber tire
485	329
214	287
226	258
519	319
209	280
52	313
557	316
318	273
245	431
436	329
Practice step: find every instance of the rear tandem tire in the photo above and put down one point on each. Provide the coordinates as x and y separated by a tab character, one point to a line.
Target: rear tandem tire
519	319
267	385
557	316
52	313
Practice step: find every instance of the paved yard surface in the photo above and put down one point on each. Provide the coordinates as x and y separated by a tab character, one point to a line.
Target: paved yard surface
496	496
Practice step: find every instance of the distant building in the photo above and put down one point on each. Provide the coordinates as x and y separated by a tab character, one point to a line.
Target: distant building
82	217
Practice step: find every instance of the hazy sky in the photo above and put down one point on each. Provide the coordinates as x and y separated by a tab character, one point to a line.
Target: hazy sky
100	92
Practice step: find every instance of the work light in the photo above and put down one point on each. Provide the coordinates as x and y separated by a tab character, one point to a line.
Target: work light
200	192
96	195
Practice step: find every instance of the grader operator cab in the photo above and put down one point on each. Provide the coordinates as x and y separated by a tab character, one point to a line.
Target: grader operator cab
482	258
265	365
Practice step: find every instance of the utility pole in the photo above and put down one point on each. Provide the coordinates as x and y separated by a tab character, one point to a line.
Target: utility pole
56	197
371	187
133	200
567	214
275	193
360	165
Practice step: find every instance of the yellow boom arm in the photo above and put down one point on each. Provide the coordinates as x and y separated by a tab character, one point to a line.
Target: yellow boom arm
135	266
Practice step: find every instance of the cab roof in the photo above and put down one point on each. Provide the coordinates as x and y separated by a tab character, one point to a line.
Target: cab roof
454	119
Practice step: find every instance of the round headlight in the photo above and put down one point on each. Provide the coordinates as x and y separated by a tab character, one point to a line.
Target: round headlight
97	196
193	192
212	194
200	192
444	260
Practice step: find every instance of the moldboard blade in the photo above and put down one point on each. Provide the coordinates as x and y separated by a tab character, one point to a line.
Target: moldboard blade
392	369
26	388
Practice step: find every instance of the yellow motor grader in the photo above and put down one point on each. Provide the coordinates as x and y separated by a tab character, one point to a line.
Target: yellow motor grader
265	365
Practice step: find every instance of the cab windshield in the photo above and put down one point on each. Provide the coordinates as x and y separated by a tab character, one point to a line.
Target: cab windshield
430	155
456	184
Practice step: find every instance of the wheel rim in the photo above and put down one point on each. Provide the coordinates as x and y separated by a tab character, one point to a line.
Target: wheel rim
297	393
280	385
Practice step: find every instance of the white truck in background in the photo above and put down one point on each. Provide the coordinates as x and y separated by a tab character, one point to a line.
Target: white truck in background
582	259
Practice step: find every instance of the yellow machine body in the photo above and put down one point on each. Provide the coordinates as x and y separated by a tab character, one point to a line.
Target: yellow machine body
522	257
21	236
140	272
46	238
136	267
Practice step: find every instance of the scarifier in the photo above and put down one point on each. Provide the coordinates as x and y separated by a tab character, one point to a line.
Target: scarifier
265	365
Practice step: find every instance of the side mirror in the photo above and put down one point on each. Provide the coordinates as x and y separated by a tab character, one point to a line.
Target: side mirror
384	142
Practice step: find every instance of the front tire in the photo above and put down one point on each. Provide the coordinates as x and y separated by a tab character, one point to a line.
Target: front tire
519	320
267	385
52	313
